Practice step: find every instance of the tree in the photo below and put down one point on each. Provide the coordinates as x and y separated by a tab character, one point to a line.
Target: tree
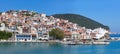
5	35
57	33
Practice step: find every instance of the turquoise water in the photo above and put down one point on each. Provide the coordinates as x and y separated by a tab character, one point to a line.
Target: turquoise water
55	48
114	35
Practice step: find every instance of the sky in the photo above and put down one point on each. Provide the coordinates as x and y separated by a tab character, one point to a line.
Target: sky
103	11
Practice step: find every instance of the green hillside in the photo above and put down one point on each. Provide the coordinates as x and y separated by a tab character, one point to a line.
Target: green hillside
81	20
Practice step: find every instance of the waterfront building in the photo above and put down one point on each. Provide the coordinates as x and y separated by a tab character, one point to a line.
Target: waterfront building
100	32
33	32
23	37
75	35
43	34
68	35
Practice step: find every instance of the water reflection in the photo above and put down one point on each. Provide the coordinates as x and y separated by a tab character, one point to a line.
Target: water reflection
14	48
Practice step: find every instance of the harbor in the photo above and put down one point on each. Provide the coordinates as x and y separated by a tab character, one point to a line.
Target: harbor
57	48
59	27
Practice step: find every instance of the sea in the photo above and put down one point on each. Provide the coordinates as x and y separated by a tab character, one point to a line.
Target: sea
57	48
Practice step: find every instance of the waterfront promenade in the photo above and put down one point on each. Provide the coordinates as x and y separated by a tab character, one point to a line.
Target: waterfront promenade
58	41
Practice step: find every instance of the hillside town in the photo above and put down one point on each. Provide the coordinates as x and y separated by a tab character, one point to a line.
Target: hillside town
30	26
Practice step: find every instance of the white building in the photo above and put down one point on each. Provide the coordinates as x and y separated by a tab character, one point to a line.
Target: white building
43	34
2	28
100	32
23	37
75	35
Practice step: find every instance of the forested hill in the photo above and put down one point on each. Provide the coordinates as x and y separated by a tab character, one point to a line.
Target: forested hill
81	20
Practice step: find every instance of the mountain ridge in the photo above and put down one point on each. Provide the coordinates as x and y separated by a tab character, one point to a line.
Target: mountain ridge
81	20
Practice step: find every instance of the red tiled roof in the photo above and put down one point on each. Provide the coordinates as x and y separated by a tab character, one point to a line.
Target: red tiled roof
67	33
